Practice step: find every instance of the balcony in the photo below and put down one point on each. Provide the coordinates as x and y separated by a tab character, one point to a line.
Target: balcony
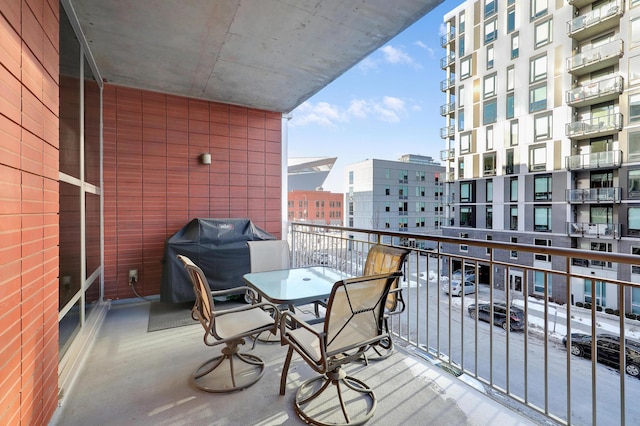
595	127
579	3
595	160
447	109
447	132
447	84
593	230
596	21
450	177
594	195
447	154
448	38
446	361
595	58
595	92
448	60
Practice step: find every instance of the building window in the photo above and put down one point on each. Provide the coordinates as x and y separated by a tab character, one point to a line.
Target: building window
420	191
489	86
600	298
538	8
538	69
515	46
542	256
601	180
510	107
542	127
542	218
467	190
350	177
490	7
634	70
403	192
602	247
538	158
489	215
461	168
489	164
489	138
461	120
403	207
461	96
465	143
538	98
490	31
635	269
387	206
461	46
635	32
420	206
490	112
490	56
467	217
351	208
513	254
543	33
511	19
511	78
513	133
387	173
540	278
387	190
420	176
420	222
403	224
634	108
513	218
509	167
634	220
542	188
403	176
601	214
465	68
633	144
489	189
513	189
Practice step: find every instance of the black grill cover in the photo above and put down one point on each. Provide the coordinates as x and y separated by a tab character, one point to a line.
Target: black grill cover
218	246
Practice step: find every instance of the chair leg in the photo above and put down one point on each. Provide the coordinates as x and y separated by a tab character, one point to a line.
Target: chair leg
222	381
285	371
318	414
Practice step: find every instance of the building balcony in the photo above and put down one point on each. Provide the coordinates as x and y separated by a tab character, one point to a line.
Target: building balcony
594	195
594	92
447	154
447	132
593	230
594	160
448	60
450	177
595	127
579	3
447	84
596	58
448	38
448	109
596	21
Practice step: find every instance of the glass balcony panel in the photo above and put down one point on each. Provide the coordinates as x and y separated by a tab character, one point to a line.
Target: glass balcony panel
595	58
595	21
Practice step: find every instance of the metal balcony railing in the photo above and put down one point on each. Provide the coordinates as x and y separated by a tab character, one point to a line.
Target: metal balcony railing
448	60
593	230
595	58
448	38
595	92
447	132
595	160
541	307
447	154
447	84
595	126
447	108
595	21
594	195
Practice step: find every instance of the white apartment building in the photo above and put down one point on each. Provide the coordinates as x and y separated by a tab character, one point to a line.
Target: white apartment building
542	136
401	196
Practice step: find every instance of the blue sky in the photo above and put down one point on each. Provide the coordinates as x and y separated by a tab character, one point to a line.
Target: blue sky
385	106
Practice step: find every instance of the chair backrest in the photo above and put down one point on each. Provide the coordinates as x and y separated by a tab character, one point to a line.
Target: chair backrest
355	311
269	255
383	259
203	308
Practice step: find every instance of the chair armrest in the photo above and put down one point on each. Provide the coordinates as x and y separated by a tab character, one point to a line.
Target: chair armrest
320	363
228	291
400	305
264	305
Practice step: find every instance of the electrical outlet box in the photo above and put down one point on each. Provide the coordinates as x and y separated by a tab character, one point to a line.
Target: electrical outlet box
133	275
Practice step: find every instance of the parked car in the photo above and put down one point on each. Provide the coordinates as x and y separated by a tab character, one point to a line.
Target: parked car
469	275
455	287
516	320
608	349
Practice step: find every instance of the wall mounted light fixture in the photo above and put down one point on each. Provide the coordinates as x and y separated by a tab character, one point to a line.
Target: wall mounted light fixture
205	158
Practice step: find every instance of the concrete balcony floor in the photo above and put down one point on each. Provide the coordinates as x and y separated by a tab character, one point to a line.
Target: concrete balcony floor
132	376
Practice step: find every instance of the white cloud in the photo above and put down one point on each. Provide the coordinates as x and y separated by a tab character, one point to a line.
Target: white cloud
322	113
395	104
420	44
389	109
443	29
359	108
367	64
395	56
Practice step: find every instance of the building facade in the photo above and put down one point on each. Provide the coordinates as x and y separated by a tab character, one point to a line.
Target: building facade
404	195
542	135
315	207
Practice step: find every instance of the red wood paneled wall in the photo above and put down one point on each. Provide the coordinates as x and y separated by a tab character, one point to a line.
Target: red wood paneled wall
154	182
28	211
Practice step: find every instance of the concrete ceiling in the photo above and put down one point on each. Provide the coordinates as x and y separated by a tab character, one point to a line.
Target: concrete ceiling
267	54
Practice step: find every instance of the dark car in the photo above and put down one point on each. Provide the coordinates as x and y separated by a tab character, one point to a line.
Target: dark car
515	322
608	349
